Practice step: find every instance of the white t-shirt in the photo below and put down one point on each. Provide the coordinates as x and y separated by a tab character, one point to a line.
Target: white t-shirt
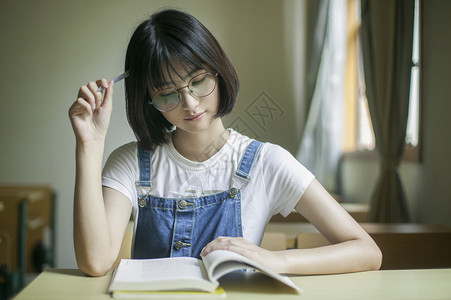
277	180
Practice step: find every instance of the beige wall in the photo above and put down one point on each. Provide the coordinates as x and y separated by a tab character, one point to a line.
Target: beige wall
428	184
51	47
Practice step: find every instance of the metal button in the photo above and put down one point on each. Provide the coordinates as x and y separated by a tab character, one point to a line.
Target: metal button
233	192
182	204
142	202
178	245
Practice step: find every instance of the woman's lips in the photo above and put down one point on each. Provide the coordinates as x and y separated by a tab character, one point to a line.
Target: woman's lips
195	117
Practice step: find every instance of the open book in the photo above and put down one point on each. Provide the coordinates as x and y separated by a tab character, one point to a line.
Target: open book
185	274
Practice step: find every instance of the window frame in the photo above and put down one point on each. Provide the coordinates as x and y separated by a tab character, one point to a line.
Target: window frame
411	153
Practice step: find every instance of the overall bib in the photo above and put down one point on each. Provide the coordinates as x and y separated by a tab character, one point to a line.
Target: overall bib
172	227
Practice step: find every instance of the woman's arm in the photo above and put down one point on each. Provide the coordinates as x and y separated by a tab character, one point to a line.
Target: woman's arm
100	214
352	248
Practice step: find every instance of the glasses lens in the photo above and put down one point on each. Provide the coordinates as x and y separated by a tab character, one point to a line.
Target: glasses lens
202	85
166	100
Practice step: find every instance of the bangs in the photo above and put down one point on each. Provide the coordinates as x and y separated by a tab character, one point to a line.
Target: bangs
177	61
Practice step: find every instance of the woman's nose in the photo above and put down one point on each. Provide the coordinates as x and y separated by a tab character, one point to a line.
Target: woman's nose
187	100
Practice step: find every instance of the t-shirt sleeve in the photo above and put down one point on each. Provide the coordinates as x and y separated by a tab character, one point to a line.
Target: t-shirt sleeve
286	178
121	170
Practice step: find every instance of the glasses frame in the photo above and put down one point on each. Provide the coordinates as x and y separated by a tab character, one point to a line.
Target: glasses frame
177	90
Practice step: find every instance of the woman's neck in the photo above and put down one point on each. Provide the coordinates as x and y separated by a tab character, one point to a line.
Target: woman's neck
200	146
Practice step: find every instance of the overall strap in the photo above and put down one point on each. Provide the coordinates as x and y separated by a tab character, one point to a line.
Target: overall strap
145	168
248	159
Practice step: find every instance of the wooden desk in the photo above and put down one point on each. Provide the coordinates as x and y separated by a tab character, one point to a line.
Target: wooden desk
358	211
399	284
292	229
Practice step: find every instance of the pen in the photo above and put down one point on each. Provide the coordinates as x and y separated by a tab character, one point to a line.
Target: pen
116	79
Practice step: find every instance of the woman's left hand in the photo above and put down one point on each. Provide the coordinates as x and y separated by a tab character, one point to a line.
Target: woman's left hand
244	247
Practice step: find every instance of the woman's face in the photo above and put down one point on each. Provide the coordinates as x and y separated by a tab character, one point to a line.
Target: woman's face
192	114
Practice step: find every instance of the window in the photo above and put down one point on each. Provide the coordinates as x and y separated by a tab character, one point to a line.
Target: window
359	135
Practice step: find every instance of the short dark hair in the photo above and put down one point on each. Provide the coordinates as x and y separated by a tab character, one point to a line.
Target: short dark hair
171	38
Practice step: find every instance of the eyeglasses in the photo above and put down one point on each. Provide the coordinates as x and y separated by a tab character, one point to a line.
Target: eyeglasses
200	85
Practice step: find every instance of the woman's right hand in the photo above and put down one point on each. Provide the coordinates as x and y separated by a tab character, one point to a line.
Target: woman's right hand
90	113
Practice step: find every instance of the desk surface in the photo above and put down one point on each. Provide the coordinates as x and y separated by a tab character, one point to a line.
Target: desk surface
399	284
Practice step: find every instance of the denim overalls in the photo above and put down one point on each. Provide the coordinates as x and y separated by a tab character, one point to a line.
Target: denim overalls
183	226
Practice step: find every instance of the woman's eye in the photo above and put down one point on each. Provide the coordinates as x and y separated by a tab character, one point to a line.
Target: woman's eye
197	81
167	94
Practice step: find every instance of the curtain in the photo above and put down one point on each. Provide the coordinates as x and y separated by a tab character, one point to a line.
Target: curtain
316	34
386	40
321	143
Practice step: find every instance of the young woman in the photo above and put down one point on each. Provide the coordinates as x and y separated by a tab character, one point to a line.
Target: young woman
191	185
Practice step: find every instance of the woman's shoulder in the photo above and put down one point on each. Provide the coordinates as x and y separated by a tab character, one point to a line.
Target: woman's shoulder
129	148
124	154
268	149
271	150
238	139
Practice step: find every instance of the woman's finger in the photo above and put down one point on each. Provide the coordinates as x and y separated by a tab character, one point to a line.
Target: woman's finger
102	83
98	95
108	97
86	94
79	107
224	243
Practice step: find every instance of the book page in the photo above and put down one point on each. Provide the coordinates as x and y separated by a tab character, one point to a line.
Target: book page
161	274
160	269
221	262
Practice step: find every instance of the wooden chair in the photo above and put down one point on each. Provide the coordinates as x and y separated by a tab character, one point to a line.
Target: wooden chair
27	236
